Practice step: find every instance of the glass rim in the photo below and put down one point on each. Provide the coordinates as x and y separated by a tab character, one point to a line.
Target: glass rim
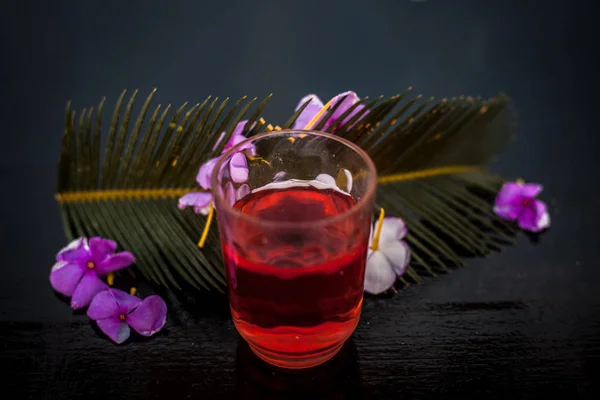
225	207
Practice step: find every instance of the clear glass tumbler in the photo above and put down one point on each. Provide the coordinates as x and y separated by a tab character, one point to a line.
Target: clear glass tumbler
295	210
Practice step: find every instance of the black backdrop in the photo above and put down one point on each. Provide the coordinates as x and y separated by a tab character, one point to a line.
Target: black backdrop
520	324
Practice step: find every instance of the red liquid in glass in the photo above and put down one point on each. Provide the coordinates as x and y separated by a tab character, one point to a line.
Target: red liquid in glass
296	295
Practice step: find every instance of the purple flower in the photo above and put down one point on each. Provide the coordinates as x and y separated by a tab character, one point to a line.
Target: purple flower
238	165
517	201
316	105
231	194
115	311
199	200
238	170
79	265
390	258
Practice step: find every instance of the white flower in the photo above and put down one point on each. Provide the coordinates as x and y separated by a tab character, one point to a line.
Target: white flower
330	180
388	258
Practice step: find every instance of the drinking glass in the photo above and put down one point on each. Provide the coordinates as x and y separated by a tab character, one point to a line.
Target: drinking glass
295	210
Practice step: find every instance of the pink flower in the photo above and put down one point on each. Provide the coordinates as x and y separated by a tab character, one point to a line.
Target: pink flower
238	170
79	265
517	201
348	99
115	311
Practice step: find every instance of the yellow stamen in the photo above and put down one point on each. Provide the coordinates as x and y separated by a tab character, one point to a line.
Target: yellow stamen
314	120
520	181
252	158
270	128
277	128
262	120
375	243
174	163
132	291
90	264
110	279
207	226
291	139
122	317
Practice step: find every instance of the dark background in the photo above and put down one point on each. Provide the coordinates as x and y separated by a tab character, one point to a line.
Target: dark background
521	324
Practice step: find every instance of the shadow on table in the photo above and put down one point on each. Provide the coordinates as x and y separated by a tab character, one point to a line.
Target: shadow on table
339	378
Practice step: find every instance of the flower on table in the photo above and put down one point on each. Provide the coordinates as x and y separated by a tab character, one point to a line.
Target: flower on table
517	201
238	170
80	264
116	311
315	105
388	256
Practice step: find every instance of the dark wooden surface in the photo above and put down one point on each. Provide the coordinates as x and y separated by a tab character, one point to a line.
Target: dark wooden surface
521	324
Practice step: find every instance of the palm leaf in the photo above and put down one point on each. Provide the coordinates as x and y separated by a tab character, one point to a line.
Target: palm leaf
430	156
131	194
431	159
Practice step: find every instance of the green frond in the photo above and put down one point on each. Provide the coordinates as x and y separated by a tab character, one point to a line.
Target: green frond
430	155
162	152
449	212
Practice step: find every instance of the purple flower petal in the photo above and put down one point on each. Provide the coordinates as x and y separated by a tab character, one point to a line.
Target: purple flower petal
65	276
103	305
229	194
127	302
359	109
508	201
77	250
205	172
238	168
279	176
199	200
115	262
101	248
534	217
218	141
89	286
379	275
392	230
115	329
398	254
237	131
237	137
149	317
348	99
242	191
309	112
531	190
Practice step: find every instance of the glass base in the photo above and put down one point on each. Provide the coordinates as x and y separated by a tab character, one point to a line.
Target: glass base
297	361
